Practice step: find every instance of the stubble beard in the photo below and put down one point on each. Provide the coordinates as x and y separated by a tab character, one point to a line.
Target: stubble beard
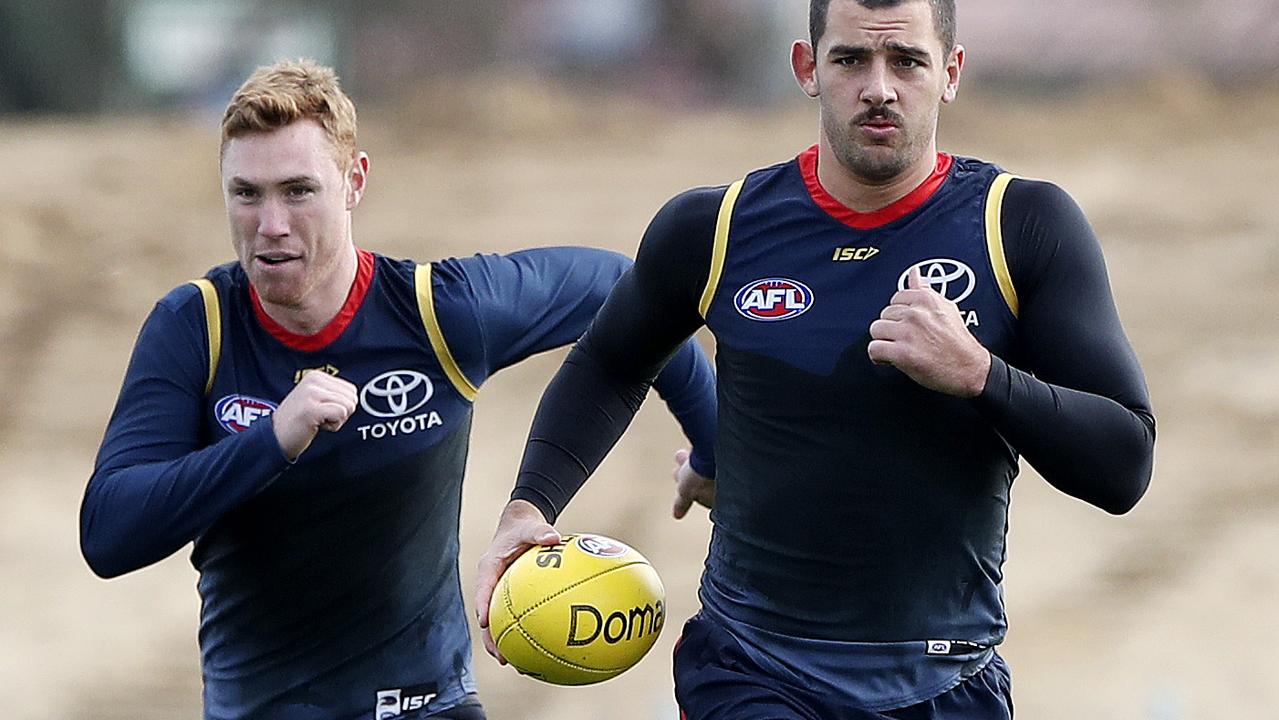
875	164
279	292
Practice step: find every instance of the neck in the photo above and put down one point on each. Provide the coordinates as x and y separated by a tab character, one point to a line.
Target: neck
319	306
858	194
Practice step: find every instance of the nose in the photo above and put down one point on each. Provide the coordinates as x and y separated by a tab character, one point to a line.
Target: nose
878	90
273	219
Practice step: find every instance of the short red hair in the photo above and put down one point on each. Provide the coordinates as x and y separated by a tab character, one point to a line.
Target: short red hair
290	90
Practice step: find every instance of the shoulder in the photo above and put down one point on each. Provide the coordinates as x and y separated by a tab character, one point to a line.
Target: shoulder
187	297
968	165
402	278
177	332
1039	197
693	208
1040	214
182	299
1020	192
685	226
1045	232
454	274
499	274
397	271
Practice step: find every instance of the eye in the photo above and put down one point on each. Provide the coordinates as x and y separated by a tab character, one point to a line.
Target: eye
244	193
908	62
299	192
847	61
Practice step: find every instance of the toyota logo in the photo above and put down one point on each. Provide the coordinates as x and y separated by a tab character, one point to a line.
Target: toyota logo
952	279
396	393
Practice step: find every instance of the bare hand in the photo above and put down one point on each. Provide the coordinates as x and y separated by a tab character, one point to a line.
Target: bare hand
520	527
690	487
318	402
922	334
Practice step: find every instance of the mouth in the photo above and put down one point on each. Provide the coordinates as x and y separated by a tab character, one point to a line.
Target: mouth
276	258
879	131
878	122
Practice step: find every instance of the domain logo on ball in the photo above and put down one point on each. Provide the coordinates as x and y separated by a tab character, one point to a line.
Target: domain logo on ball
773	299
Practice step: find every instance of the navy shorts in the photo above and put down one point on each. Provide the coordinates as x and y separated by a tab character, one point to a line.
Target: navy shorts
716	680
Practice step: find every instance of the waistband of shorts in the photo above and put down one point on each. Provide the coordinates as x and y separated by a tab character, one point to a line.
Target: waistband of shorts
864	675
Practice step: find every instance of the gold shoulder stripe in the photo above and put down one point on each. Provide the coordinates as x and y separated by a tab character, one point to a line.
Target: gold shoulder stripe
720	249
426	306
213	326
995	240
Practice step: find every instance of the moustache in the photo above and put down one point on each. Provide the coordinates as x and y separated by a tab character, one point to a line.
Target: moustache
879	113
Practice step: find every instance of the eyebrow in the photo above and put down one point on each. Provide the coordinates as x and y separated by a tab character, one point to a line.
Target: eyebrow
895	46
306	179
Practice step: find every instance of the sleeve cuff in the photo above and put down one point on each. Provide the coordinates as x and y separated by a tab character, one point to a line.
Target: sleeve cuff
995	396
270	445
539	501
702	463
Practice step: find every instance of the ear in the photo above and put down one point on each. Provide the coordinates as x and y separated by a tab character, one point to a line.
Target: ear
954	66
803	62
357	179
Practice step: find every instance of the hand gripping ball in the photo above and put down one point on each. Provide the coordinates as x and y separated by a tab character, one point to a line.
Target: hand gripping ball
579	612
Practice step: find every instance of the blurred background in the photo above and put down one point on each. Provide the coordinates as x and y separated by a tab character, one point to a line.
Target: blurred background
500	124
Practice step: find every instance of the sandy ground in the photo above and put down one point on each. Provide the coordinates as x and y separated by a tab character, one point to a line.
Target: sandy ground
1166	614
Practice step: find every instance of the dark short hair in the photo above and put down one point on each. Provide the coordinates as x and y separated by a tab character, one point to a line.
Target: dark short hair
943	17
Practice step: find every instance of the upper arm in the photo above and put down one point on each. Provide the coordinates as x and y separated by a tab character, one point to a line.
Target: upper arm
655	304
1068	326
157	414
530	301
535	300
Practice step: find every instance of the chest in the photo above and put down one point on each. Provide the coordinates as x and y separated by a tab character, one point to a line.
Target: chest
799	286
405	401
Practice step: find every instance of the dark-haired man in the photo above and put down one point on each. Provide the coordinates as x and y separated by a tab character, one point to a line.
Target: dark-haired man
894	327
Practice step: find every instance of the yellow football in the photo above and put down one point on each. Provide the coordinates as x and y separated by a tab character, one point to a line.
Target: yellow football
579	612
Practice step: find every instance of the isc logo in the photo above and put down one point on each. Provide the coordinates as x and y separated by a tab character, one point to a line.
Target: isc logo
236	413
773	299
397	701
854	254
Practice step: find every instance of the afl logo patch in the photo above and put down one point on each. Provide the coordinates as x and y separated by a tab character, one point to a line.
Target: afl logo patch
952	279
773	299
601	546
235	413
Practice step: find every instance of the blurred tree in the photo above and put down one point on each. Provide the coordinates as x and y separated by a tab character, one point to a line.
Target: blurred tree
57	55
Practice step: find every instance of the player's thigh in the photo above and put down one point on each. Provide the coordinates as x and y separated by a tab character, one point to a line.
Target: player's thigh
714	680
988	695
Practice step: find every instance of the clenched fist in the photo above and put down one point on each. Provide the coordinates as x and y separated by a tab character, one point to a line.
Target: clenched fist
922	334
318	402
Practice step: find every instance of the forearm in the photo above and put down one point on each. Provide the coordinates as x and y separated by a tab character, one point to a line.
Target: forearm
582	414
687	385
1088	446
137	513
650	312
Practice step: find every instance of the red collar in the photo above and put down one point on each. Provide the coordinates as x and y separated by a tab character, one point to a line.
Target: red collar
330	332
876	218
